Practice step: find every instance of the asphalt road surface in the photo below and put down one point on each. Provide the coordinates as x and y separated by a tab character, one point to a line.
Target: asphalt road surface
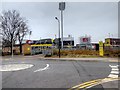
54	73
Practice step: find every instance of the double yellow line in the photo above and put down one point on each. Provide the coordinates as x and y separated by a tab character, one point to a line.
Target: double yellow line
92	83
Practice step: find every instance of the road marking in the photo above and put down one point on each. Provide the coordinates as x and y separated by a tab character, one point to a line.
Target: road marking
114	71
116	66
93	83
104	81
15	67
42	69
86	83
112	77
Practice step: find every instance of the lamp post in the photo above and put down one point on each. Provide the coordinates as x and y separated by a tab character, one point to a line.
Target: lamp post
58	34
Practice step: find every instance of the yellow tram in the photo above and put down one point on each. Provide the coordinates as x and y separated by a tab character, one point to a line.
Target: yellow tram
43	46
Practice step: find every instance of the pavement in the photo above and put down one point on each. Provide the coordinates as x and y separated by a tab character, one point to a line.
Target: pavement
50	58
111	84
87	59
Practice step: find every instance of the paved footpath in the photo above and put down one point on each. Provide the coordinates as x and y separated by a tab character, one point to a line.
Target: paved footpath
15	57
87	59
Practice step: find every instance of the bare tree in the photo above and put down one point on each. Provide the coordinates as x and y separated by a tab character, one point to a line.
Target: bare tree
22	32
13	25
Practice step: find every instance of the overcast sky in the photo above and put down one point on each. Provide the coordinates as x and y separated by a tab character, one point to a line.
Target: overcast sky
80	18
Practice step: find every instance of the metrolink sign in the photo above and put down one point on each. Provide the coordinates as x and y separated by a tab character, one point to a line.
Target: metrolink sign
101	50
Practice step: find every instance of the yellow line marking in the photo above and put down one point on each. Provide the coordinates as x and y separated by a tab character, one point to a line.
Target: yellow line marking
87	85
103	81
93	82
41	45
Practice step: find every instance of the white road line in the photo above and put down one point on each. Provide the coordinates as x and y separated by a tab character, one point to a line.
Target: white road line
113	76
115	72
42	69
115	69
116	66
15	67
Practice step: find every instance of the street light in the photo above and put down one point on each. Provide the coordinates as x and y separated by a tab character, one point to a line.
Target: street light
58	34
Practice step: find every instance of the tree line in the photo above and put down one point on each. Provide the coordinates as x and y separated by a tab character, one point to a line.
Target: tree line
13	28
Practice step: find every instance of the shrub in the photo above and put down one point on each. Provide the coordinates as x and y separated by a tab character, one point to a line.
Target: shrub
112	53
76	53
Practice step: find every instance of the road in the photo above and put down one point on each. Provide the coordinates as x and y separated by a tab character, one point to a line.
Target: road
56	73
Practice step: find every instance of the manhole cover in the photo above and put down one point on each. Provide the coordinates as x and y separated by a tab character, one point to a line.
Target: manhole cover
15	67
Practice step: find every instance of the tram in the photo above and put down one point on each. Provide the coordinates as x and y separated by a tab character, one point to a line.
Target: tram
43	46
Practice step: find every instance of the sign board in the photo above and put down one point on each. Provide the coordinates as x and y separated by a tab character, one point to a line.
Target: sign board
85	40
100	44
68	38
62	6
28	41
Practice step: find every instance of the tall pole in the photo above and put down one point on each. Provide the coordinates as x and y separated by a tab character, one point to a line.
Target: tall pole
58	34
62	29
61	8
